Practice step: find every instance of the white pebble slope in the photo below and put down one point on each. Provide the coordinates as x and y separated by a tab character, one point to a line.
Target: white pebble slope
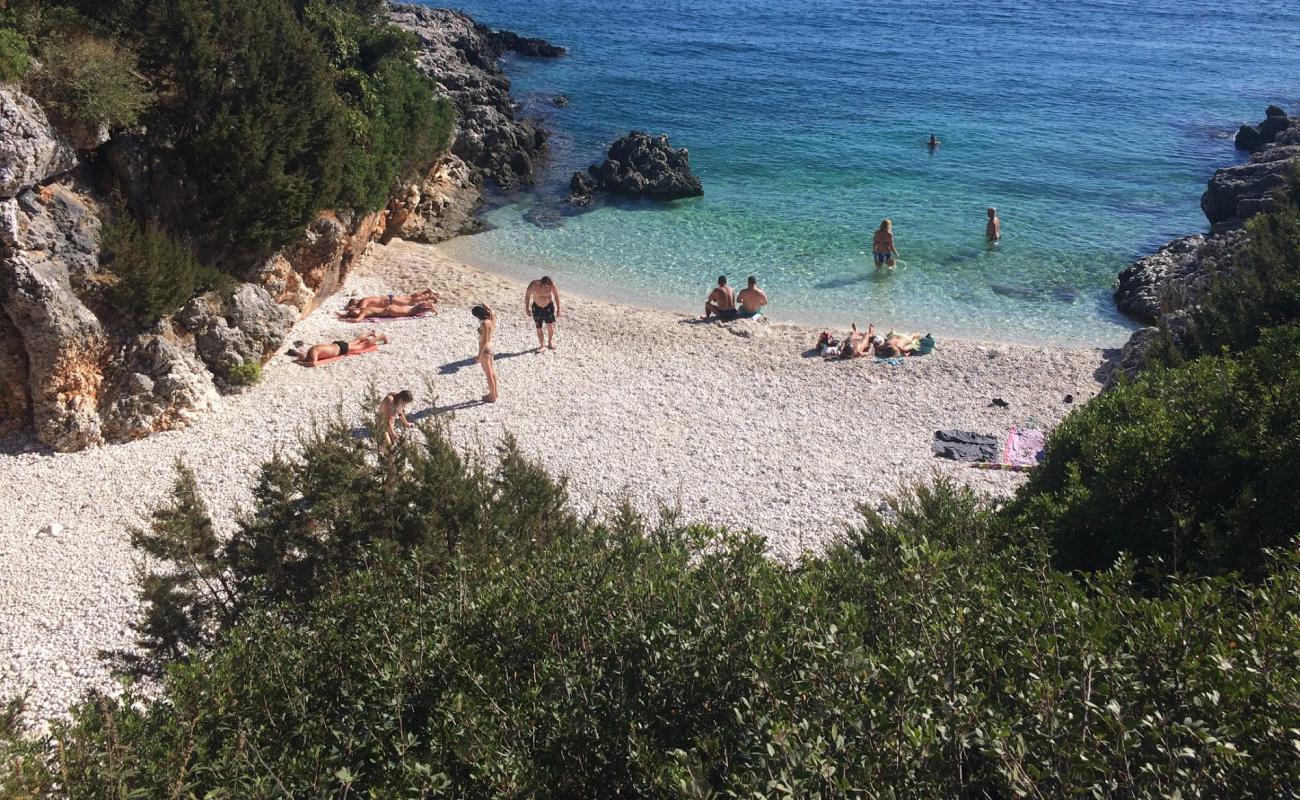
742	432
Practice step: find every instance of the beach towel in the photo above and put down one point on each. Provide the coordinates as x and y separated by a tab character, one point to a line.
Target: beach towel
1024	447
895	361
351	352
965	446
369	320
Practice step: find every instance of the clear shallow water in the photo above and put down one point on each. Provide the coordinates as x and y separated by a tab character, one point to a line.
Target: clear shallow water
1091	126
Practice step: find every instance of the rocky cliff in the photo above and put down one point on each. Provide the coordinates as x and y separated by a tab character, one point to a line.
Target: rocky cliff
78	375
1163	288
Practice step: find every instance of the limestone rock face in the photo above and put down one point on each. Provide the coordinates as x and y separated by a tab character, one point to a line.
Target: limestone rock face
437	208
461	56
31	152
303	275
15	401
250	326
159	385
1237	193
1176	276
641	165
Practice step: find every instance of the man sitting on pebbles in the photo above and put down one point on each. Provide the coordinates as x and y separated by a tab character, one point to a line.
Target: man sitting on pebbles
751	299
311	356
721	302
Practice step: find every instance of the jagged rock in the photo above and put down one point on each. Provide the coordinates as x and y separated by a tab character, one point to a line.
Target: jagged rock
15	400
559	101
507	41
582	184
1176	276
1237	193
250	326
1255	138
437	208
31	152
161	385
460	56
641	165
303	275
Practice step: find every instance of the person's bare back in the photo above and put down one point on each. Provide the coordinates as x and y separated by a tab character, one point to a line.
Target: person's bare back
721	302
993	231
751	299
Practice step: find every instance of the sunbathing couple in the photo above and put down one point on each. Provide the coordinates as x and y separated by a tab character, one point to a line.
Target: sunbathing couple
392	306
863	344
311	356
725	304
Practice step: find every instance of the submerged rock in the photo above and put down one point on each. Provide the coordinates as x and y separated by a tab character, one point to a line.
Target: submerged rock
640	165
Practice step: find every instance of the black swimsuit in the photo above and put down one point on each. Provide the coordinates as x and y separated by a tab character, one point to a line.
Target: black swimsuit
343	348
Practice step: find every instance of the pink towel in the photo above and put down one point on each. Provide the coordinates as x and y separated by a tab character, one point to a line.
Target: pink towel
1024	448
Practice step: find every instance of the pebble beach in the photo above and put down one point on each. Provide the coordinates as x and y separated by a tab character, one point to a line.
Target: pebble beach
737	425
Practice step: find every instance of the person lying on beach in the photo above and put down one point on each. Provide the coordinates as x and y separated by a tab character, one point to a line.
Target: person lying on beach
542	302
319	352
379	301
391	408
859	344
882	245
896	345
486	358
390	311
751	299
721	302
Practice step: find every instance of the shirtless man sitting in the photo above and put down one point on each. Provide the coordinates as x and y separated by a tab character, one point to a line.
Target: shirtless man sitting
751	299
379	301
721	302
319	352
542	302
391	311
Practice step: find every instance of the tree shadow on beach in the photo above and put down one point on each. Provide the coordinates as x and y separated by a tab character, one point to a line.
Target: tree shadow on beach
457	366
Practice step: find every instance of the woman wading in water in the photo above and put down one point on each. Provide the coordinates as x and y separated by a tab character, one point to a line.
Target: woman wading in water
882	246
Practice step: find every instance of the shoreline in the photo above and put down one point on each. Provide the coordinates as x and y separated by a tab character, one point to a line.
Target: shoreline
741	431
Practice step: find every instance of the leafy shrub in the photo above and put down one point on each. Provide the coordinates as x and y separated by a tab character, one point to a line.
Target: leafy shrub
1190	469
13	55
156	273
245	373
85	82
255	118
432	628
1262	290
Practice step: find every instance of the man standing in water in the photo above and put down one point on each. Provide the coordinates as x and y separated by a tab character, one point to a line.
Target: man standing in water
993	231
751	299
542	301
486	358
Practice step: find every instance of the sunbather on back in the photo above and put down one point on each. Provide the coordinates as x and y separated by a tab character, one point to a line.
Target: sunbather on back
391	311
310	356
381	300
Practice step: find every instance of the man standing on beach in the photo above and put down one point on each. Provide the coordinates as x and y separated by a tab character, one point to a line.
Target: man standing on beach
486	358
993	231
721	302
542	301
751	298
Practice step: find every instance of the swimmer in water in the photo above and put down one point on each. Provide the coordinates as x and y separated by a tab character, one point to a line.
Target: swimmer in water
933	144
993	231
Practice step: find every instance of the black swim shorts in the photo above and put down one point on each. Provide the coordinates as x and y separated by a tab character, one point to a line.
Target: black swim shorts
343	347
544	314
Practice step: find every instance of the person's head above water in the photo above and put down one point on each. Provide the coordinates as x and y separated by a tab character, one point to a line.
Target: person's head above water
886	226
933	139
479	312
722	280
993	212
752	281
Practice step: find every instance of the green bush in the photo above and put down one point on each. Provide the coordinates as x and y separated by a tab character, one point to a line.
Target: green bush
85	82
1262	290
156	273
1190	469
14	59
421	626
245	373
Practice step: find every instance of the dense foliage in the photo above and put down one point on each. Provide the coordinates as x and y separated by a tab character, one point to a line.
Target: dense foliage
156	273
14	58
421	626
269	111
1190	469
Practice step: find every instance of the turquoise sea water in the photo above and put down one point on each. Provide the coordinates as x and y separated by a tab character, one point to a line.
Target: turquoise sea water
1092	127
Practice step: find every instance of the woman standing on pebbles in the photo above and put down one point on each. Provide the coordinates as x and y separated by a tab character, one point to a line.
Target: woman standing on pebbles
486	358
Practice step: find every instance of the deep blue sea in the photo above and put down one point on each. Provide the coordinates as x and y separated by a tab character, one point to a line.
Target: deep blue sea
1092	126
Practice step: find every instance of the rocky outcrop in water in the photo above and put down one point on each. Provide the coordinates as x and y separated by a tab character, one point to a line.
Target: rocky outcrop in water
639	165
461	56
1163	289
1253	138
